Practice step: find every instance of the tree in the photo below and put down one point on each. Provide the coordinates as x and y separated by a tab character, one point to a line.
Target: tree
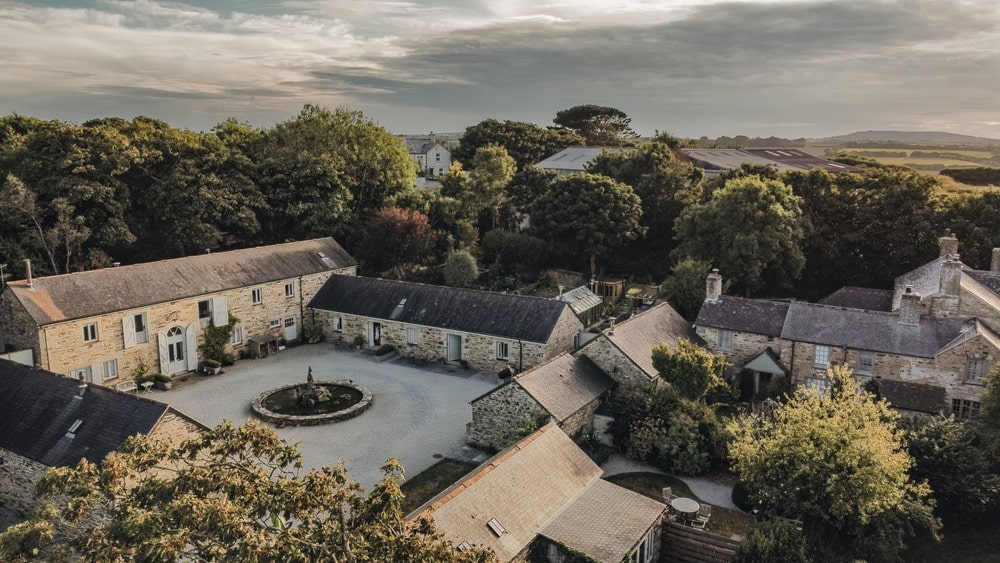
491	172
587	213
684	288
751	229
394	237
776	539
837	462
460	269
690	369
598	125
526	143
232	494
55	229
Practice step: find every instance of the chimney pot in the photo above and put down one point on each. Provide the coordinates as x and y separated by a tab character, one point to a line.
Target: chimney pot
951	276
713	286
948	244
27	268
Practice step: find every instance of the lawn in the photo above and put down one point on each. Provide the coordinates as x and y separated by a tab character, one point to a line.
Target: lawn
725	521
423	486
960	543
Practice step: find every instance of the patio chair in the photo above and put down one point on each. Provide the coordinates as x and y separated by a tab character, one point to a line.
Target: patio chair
668	494
701	520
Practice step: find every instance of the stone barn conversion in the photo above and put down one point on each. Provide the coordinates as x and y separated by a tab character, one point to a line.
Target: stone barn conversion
482	330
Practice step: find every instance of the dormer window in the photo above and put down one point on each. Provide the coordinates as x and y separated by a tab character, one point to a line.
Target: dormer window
496	527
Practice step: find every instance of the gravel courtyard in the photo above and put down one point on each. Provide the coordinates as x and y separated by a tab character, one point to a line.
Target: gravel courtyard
416	412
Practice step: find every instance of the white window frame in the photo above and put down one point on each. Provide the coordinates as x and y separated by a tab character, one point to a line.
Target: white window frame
976	369
866	363
289	322
503	350
289	290
207	309
337	323
820	384
90	333
725	341
821	356
413	336
274	323
85	373
237	335
109	369
141	336
257	296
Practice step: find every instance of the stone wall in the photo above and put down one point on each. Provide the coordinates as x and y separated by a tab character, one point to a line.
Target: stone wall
581	420
19	330
175	428
497	417
976	301
615	363
18	476
563	334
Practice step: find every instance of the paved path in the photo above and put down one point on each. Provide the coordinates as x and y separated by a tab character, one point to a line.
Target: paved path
417	411
704	488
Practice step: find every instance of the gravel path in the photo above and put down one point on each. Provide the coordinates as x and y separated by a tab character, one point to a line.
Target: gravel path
708	490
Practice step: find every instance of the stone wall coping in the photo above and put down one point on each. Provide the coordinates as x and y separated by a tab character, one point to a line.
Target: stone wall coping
315	419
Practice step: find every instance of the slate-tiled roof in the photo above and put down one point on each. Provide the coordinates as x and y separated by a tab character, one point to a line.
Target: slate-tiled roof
989	280
914	396
581	299
926	280
516	317
96	292
419	146
725	159
860	298
637	336
622	517
870	330
758	316
37	409
801	159
565	384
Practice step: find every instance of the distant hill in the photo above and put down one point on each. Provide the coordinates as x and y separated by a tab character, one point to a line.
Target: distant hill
912	138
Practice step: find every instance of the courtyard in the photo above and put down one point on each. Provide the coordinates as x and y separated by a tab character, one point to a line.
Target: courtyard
417	413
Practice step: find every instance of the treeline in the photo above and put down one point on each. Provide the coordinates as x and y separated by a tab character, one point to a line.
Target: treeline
980	176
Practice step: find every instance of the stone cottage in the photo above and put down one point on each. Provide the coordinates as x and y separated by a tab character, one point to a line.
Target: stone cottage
480	329
567	389
543	499
51	421
100	325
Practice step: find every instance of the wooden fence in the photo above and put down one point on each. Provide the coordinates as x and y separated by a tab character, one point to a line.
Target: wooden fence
684	544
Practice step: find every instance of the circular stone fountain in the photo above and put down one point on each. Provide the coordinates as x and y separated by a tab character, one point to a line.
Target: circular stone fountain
312	402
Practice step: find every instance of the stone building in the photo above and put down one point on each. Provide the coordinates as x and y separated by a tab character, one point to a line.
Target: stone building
543	499
567	389
51	421
927	348
480	329
432	160
100	325
624	351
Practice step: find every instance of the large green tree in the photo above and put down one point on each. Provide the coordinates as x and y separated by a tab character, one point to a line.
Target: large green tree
690	369
394	237
750	228
232	494
598	125
526	143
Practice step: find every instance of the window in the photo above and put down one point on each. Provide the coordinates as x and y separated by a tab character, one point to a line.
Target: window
83	374
290	289
820	384
90	332
109	370
964	409
140	328
256	296
338	324
503	350
413	336
275	323
437	157
205	309
289	322
821	356
725	340
866	363
975	369
237	335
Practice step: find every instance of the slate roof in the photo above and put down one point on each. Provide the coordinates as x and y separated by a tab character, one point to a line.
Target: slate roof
543	484
516	317
565	384
575	158
870	330
725	159
37	409
95	292
758	316
801	159
914	396
624	517
860	298
989	280
419	146
926	280
581	299
659	324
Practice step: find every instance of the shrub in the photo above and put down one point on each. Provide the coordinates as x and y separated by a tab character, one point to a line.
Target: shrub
162	378
313	332
773	540
359	341
385	349
460	269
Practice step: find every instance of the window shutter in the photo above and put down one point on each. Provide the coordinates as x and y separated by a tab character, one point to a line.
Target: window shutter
161	341
192	344
128	330
220	311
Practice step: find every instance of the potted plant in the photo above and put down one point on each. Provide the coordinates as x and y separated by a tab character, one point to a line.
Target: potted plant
211	367
163	382
313	332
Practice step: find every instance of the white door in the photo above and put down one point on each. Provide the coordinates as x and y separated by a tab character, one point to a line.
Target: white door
291	329
176	358
454	347
375	335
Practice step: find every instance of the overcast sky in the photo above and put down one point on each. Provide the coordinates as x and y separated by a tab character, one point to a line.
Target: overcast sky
788	68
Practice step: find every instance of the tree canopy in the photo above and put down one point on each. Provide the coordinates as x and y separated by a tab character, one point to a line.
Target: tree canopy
689	368
600	126
526	143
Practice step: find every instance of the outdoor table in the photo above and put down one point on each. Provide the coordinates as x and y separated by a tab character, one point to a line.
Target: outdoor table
686	507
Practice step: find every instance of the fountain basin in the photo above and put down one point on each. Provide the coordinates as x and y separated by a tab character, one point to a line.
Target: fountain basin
280	407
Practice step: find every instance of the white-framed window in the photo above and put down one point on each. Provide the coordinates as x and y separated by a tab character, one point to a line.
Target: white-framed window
964	409
821	356
90	332
205	310
141	335
725	340
289	322
866	363
289	289
237	335
257	296
820	384
976	369
83	374
413	336
503	350
274	323
437	157
109	370
337	323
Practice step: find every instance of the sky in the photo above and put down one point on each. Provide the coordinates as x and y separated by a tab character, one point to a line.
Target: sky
788	68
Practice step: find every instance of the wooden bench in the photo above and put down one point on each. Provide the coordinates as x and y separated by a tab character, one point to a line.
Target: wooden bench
127	386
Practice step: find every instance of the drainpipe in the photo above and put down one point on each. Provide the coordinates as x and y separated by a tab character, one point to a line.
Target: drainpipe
520	356
302	310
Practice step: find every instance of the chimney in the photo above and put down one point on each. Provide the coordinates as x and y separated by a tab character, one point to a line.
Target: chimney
909	307
27	268
611	331
995	262
560	291
951	276
713	286
948	244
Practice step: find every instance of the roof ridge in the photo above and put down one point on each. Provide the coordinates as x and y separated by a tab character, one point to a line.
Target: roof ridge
462	289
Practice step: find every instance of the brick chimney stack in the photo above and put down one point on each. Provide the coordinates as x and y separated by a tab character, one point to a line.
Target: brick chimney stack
951	276
909	307
995	262
713	286
948	244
